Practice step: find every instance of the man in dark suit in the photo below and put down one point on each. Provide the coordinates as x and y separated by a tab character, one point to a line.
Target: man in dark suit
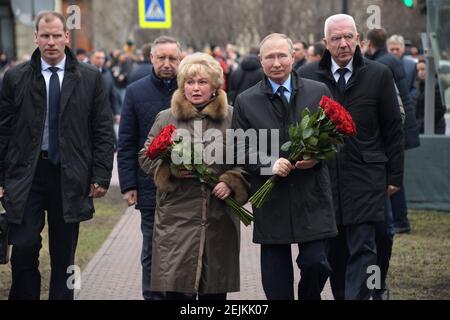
144	99
369	165
143	68
98	59
56	155
396	46
299	210
300	51
377	51
247	75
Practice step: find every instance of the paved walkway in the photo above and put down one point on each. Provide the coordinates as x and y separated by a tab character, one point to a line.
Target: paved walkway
115	273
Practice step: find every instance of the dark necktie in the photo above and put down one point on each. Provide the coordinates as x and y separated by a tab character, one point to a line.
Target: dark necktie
54	102
341	83
281	90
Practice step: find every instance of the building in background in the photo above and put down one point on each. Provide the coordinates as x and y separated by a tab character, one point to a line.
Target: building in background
7	29
110	23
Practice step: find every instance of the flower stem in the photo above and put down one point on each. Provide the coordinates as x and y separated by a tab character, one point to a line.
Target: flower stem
243	214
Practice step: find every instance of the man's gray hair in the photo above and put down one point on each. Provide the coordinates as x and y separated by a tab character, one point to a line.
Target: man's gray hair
338	18
396	39
277	36
164	40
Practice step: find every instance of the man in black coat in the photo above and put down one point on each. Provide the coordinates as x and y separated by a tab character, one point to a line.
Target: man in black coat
246	75
143	68
98	59
368	165
144	99
396	46
300	51
56	155
299	210
377	51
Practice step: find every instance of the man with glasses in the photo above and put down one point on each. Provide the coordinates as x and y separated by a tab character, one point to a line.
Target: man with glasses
368	166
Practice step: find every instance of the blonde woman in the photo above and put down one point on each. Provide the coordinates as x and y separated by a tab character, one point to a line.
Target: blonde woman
196	237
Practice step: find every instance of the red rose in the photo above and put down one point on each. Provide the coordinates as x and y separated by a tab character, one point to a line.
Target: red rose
339	116
161	143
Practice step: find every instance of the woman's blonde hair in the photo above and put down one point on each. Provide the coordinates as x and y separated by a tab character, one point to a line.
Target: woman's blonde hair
200	64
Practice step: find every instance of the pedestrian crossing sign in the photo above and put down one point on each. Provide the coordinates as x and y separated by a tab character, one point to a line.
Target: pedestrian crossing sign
155	14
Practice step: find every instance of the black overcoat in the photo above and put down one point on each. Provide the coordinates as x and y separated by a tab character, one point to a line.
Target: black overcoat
300	207
368	163
85	135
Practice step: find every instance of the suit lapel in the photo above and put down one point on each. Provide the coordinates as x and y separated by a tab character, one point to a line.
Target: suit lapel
69	83
39	92
300	103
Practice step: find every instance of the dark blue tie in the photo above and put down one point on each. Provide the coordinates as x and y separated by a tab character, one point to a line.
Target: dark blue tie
341	82
54	102
284	100
281	90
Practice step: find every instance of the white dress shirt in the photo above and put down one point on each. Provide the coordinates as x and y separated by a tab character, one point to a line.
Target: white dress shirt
335	67
47	74
287	86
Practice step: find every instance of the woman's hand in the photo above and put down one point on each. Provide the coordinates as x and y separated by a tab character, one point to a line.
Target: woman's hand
222	191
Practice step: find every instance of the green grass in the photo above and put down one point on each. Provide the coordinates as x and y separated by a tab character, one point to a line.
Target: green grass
420	260
419	265
92	235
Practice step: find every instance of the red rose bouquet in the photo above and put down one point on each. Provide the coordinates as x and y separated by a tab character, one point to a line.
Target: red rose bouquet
162	147
315	137
162	143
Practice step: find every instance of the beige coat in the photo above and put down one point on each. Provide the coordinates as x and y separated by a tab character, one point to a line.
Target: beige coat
196	238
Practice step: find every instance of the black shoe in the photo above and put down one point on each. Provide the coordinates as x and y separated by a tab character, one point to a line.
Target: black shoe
380	294
406	229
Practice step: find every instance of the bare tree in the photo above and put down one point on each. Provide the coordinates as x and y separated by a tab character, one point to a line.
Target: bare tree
243	22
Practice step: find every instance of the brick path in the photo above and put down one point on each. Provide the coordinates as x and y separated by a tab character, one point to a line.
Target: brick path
115	273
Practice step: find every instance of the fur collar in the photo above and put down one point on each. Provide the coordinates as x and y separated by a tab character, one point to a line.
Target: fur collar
182	109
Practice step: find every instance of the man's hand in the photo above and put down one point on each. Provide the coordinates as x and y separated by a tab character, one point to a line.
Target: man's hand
222	191
97	191
131	197
2	191
392	190
185	174
282	168
306	164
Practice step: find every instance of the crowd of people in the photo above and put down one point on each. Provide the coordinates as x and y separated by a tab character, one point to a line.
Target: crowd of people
57	144
122	67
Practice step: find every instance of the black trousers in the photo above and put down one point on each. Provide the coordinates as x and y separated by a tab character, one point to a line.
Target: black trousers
384	238
26	239
278	275
351	254
147	221
183	296
399	209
